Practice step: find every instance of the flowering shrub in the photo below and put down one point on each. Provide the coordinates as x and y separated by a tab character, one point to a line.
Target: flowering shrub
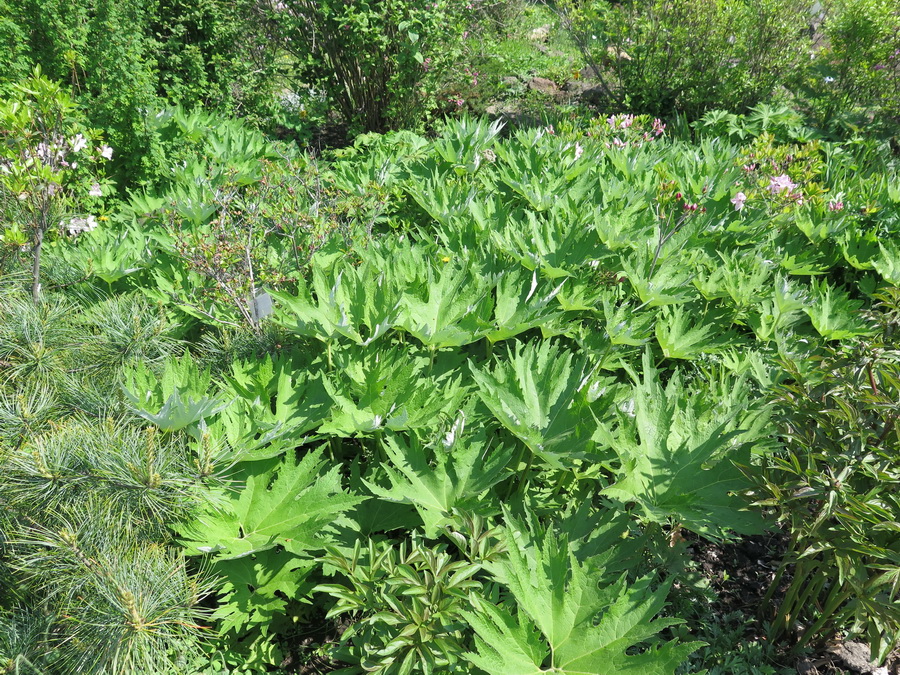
121	59
50	167
616	131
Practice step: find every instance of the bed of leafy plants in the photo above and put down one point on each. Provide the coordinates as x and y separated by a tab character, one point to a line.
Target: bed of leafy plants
477	403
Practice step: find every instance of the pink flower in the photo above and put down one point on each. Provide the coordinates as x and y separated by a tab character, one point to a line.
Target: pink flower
778	184
835	205
658	127
579	151
739	200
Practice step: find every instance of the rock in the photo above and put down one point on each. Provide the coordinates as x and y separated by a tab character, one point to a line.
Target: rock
541	34
586	92
617	54
806	667
500	109
543	85
855	656
511	82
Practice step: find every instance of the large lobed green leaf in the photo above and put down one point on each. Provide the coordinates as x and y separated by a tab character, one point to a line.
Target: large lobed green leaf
537	394
283	502
678	459
462	470
569	621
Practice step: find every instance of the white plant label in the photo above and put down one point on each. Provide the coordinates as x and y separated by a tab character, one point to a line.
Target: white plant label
261	306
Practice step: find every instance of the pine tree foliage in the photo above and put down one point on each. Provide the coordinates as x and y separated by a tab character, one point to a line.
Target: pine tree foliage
116	603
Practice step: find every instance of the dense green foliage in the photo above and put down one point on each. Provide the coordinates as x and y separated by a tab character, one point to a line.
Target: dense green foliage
837	59
379	61
124	61
692	56
467	397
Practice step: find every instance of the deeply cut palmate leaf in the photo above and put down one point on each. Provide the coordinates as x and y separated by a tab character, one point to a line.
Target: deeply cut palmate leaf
251	586
585	627
678	457
358	304
451	310
537	395
284	502
388	388
175	401
834	314
464	468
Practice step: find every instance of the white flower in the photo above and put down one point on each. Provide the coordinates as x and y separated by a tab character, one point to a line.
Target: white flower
79	143
106	152
739	200
578	151
79	225
95	190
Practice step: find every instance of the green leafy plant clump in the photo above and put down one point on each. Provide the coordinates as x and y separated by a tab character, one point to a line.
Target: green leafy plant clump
608	393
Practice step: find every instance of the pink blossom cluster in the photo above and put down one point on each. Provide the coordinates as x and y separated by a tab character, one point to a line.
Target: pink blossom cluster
779	184
620	121
783	185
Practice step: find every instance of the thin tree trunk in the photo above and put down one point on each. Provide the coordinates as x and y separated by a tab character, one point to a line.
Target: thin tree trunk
36	267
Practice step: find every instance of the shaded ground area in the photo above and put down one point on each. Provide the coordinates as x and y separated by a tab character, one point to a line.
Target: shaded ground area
740	574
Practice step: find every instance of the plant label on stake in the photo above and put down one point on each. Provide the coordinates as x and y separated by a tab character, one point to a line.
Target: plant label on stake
261	306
